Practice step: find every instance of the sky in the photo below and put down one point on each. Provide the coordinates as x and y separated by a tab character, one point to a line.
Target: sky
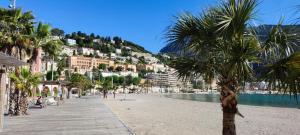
141	21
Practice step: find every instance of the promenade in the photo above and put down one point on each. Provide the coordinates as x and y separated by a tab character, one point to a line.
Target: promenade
85	116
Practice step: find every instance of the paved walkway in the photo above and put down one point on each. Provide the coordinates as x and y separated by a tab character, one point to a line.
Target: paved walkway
85	116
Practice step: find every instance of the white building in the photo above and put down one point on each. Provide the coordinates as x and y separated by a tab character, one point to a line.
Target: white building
55	37
148	57
118	51
151	60
98	53
46	66
85	51
96	40
71	42
113	55
169	82
124	73
69	50
159	67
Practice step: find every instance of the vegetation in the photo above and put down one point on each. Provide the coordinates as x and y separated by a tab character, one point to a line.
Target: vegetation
24	81
49	76
218	44
57	32
102	67
81	82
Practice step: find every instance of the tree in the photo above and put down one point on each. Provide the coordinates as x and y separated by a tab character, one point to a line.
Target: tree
128	80
61	64
111	68
49	76
57	32
218	44
136	81
40	38
53	49
119	68
102	67
81	82
25	81
16	28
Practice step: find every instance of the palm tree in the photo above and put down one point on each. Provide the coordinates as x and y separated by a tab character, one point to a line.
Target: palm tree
52	49
16	27
25	81
15	40
40	37
220	44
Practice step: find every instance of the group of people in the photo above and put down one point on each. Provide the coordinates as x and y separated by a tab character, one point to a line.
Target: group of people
105	92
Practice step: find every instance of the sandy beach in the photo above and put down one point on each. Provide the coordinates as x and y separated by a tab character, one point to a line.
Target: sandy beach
158	115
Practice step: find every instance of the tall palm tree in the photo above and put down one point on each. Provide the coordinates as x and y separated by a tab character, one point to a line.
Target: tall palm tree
40	37
53	49
16	27
220	44
25	81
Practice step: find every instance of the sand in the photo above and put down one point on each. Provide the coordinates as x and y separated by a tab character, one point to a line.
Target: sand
158	115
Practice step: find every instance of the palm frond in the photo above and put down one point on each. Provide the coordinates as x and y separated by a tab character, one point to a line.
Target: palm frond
283	75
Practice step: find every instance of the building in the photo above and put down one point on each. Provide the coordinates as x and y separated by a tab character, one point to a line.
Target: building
124	73
55	37
159	68
71	42
147	56
101	55
169	82
69	50
97	41
145	67
113	55
86	51
82	64
118	51
127	67
46	66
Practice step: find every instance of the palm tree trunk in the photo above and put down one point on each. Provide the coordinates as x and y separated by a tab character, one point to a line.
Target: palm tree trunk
16	101
229	123
11	99
52	68
229	105
23	103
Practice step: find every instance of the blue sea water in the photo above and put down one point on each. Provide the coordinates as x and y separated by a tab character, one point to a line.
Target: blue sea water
273	100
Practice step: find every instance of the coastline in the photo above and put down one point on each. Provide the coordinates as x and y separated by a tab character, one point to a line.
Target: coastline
157	115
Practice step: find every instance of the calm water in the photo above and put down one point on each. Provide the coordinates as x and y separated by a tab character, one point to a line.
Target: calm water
245	99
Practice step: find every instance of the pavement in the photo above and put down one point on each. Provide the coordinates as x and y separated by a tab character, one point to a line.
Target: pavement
84	116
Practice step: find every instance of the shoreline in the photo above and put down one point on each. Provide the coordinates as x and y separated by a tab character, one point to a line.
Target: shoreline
158	115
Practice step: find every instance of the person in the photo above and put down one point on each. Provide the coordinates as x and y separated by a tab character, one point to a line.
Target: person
114	94
106	92
39	101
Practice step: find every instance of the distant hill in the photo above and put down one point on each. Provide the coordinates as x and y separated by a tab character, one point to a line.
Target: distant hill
104	44
262	32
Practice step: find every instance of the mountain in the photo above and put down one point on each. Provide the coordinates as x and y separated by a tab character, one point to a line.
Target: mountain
262	32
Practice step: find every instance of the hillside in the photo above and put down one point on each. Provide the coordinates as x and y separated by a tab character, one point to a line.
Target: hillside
104	44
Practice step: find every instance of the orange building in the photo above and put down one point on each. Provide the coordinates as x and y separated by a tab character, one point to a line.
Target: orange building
83	64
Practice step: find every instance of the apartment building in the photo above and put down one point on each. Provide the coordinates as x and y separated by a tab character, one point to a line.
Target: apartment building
83	64
86	51
169	81
71	42
69	50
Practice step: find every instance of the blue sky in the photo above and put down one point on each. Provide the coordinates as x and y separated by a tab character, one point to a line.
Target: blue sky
141	21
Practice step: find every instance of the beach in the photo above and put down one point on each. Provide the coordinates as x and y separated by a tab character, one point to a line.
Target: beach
157	115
